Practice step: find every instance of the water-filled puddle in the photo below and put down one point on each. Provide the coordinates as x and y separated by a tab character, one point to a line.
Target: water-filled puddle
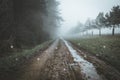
87	69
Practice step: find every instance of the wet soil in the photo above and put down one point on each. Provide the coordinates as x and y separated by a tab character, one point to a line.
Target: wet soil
57	63
106	71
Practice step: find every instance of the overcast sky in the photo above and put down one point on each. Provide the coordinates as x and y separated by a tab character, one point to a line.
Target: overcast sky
73	11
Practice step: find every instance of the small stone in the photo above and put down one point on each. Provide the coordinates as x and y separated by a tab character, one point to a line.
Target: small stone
67	52
11	46
56	48
16	59
104	46
64	69
38	59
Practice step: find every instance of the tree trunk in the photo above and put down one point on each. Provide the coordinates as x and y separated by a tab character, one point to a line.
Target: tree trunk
92	33
113	31
86	32
99	32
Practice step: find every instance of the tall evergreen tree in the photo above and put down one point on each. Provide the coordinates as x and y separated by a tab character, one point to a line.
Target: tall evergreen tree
100	21
113	18
25	23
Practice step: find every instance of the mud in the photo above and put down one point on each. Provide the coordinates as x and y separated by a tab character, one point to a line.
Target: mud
59	66
58	63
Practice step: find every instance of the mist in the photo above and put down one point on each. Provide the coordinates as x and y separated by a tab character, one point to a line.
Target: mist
76	11
26	23
59	39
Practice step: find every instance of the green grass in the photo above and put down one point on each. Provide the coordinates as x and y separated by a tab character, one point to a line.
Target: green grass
106	48
10	66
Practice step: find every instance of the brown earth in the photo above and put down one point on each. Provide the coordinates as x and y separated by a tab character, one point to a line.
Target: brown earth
56	63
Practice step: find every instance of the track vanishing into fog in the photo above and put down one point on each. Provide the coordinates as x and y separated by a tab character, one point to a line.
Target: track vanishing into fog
63	61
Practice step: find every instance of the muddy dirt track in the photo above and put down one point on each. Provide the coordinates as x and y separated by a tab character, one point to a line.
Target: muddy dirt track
63	61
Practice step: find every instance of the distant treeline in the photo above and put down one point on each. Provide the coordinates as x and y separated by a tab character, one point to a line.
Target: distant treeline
110	19
26	23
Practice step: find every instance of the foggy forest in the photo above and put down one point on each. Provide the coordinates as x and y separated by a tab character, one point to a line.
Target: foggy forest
59	40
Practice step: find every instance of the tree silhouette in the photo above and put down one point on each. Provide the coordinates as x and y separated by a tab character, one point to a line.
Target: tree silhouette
100	21
26	23
113	18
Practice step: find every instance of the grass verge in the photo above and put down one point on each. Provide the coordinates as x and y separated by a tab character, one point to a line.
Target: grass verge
11	66
106	48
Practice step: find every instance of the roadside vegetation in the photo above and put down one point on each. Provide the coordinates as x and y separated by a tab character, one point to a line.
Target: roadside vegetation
26	23
106	48
13	65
